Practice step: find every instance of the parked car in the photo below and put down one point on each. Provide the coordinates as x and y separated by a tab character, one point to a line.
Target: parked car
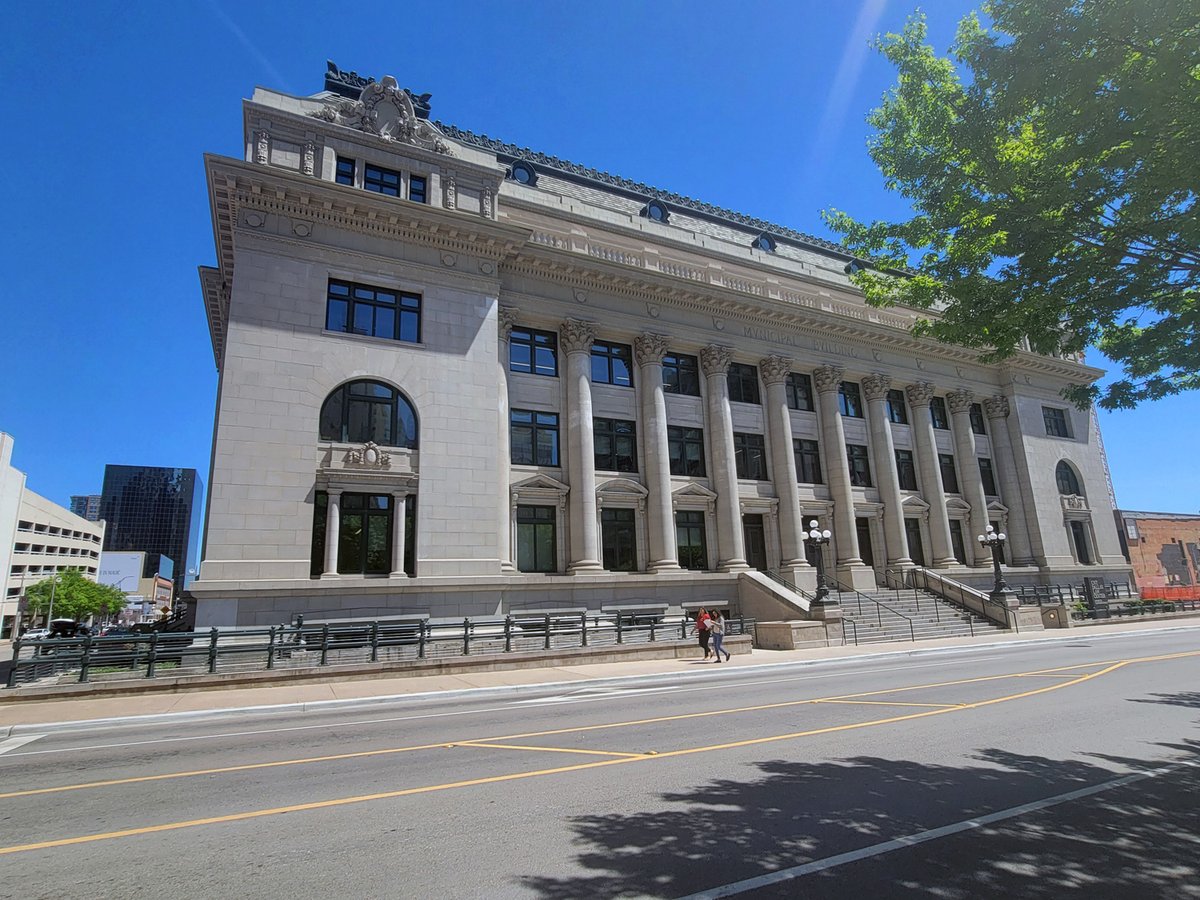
115	631
35	634
68	628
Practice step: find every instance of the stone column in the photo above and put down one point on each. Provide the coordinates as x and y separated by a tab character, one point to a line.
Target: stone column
506	317
731	544
919	397
774	370
887	479
333	532
399	505
826	380
970	481
664	548
1019	548
575	339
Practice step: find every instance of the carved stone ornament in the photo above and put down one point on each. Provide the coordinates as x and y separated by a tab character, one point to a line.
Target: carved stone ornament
649	349
920	393
827	379
876	386
450	192
996	407
960	401
506	316
310	157
486	203
384	109
262	148
575	335
369	456
715	359
774	368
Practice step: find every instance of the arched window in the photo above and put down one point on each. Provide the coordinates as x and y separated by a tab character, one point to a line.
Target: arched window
361	411
1068	481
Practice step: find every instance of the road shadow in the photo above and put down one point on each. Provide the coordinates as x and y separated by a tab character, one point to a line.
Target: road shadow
1186	698
1137	840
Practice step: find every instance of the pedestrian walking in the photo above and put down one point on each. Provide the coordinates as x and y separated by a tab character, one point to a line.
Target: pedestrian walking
716	625
701	629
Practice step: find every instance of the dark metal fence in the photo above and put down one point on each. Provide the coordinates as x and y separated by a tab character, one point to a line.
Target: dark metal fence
1135	608
302	645
1068	594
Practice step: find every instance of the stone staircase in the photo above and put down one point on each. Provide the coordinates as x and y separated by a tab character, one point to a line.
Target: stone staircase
909	614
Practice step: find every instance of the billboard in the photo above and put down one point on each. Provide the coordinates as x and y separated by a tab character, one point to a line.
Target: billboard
121	570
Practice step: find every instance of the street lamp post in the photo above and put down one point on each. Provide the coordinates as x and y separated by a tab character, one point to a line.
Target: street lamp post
994	541
816	539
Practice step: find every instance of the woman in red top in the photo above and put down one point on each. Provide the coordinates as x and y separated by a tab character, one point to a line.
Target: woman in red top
701	628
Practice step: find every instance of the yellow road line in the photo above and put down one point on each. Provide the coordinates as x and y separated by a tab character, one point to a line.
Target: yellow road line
547	749
891	703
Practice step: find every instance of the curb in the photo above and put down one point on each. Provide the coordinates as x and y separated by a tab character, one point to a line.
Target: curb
351	703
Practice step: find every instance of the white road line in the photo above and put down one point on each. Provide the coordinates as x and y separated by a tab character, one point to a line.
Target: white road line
933	834
15	742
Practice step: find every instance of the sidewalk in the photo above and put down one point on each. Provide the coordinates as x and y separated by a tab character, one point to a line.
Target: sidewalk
24	716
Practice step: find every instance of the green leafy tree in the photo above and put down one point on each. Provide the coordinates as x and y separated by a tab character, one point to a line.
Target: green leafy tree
1052	165
75	597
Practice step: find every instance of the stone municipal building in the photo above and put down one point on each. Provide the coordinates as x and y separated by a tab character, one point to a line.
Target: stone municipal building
460	377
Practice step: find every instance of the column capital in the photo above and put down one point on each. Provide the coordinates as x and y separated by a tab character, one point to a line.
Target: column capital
576	335
333	492
919	393
715	359
876	386
774	368
506	317
649	349
827	378
960	401
996	407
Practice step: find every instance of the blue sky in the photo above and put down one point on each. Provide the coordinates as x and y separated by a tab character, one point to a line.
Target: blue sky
104	351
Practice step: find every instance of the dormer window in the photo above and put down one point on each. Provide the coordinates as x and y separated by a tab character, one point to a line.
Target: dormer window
765	243
523	173
656	211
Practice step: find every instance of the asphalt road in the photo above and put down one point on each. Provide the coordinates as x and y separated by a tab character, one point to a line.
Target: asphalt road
1048	770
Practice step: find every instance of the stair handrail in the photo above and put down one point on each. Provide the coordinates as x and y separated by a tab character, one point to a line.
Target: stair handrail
897	582
878	607
920	573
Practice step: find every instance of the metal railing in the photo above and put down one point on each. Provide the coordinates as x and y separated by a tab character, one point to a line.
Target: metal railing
1067	594
947	586
894	583
879	607
1133	608
313	645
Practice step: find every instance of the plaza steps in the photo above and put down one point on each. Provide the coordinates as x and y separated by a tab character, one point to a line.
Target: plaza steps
879	616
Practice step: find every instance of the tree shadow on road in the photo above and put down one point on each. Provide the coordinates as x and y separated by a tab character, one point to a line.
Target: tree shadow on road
1137	840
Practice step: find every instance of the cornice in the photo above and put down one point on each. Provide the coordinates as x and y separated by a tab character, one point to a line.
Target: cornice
216	307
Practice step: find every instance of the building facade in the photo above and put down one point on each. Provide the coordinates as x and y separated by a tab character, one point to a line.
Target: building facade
1164	549
458	377
156	510
86	505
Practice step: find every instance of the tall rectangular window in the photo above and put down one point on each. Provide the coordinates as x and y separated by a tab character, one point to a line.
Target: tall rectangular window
808	461
616	445
364	534
618	537
976	414
750	456
689	532
416	188
537	549
344	173
375	312
686	447
612	364
988	477
799	391
681	374
381	180
535	352
850	400
957	545
897	411
743	383
949	472
860	465
533	437
1056	422
937	412
906	470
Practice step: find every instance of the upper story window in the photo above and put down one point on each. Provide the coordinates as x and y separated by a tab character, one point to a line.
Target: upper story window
686	449
616	445
850	400
799	391
533	438
743	383
375	312
988	477
681	374
416	188
906	470
1068	481
657	211
535	352
896	410
937	413
750	456
949	472
976	414
612	364
523	173
1056	422
381	180
860	465
764	242
345	171
808	461
362	411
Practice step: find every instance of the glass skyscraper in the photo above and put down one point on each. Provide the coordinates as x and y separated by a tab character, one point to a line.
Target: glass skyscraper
156	510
